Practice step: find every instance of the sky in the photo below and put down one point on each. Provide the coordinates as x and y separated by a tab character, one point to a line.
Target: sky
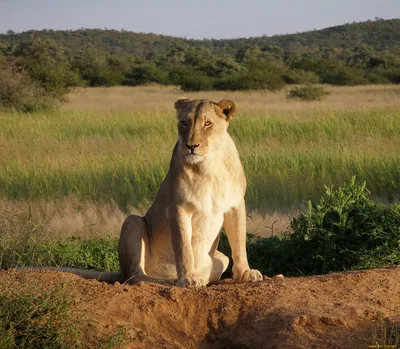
192	19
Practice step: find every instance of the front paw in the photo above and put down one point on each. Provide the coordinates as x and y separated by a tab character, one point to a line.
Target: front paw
191	282
250	275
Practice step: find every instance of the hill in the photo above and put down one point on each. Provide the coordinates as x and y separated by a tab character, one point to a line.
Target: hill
381	35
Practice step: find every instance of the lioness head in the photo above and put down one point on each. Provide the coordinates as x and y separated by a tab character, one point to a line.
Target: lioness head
202	125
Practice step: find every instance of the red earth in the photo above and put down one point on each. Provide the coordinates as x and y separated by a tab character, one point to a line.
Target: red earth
338	310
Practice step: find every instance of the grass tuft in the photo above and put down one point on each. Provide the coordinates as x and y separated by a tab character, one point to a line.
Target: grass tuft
29	320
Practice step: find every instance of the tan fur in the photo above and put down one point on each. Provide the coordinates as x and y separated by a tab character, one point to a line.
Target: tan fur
177	240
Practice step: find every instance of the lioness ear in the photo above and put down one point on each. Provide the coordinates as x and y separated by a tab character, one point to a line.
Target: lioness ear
180	103
228	108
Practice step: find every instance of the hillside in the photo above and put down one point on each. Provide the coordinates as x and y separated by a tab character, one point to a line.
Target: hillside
352	54
379	34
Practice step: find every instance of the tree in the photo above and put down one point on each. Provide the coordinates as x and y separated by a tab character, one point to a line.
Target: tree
144	74
19	92
361	57
91	63
48	63
247	53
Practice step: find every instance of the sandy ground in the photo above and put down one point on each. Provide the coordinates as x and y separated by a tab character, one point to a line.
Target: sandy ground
330	311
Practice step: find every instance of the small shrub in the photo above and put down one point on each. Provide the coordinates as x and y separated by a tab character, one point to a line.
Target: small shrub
346	230
307	93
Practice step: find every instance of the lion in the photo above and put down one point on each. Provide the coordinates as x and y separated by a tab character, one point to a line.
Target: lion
176	241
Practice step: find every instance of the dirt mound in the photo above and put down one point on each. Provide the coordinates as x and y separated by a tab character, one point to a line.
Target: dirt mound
330	311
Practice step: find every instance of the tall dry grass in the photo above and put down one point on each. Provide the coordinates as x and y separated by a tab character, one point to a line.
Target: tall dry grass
160	98
107	151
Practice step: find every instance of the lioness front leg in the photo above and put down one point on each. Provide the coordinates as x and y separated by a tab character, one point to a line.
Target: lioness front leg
180	225
235	227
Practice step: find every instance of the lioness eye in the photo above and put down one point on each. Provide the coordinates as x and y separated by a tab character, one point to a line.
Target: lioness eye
207	123
184	123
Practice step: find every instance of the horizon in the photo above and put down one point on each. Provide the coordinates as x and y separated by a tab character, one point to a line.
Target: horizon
265	18
184	37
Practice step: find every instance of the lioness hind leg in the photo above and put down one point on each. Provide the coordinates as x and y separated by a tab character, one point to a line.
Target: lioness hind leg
132	248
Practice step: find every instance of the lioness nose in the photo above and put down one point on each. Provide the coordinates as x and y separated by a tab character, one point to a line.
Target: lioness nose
193	146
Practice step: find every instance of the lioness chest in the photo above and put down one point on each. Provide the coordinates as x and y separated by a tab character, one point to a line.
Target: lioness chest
210	193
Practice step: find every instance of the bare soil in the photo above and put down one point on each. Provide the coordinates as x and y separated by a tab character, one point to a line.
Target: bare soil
330	311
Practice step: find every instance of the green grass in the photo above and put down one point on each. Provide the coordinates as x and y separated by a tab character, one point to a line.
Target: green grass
29	320
28	244
288	155
344	230
34	318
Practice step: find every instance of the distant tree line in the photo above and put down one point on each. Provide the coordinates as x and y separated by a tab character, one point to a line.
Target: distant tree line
54	61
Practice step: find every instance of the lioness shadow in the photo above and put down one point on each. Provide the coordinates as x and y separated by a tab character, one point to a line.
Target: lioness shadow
255	330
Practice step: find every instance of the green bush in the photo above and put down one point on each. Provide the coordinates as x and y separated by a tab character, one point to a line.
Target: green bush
190	79
48	64
393	74
18	92
319	66
256	76
144	74
344	231
299	76
307	93
344	76
108	78
374	77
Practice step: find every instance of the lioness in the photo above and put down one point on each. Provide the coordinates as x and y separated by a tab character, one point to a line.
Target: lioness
177	239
